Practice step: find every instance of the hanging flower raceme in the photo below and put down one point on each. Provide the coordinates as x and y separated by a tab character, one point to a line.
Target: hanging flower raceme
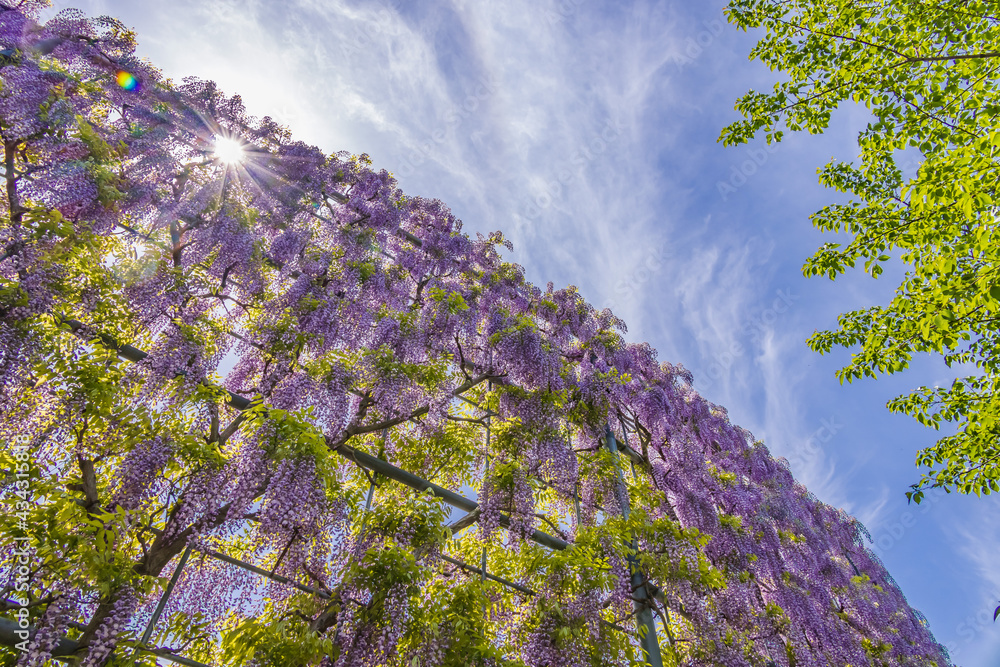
52	628
294	513
139	470
105	638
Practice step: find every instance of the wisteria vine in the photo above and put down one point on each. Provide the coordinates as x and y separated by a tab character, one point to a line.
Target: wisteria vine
192	347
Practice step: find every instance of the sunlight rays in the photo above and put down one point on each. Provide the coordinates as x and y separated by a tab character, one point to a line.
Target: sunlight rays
229	151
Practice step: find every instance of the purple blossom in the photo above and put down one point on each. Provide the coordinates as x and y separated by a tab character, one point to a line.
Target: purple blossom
312	285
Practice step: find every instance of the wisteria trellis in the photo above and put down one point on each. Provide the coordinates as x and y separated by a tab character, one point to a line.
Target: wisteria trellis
239	362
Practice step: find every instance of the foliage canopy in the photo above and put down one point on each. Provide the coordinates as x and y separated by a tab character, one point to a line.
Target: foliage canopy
929	73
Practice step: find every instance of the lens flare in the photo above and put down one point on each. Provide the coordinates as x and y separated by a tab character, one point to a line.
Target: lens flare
228	151
127	81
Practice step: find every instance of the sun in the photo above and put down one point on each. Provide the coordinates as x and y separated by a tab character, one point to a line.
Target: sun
229	151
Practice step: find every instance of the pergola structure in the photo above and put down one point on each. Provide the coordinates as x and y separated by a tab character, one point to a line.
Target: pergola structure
241	380
643	633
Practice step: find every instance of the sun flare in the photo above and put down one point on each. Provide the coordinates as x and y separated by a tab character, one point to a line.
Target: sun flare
228	151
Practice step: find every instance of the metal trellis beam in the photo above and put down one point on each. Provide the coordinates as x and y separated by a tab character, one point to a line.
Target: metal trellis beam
162	604
373	463
644	613
66	646
640	585
518	587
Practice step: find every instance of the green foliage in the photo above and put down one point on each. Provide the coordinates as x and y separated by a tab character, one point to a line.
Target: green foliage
877	651
423	514
268	641
444	458
101	165
680	558
790	537
924	187
731	521
455	616
453	302
192	631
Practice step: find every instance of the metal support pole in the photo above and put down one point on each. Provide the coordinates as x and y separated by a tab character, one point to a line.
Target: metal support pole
576	482
486	575
373	463
371	492
645	619
482	564
628	446
162	604
658	594
249	567
368	508
576	504
454	499
644	613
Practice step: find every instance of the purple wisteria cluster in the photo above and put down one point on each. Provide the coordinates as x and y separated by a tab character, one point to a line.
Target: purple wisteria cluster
204	355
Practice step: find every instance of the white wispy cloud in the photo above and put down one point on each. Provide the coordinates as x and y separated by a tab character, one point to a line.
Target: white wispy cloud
975	640
530	117
874	514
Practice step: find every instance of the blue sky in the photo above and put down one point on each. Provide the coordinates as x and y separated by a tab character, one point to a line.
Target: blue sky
586	131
